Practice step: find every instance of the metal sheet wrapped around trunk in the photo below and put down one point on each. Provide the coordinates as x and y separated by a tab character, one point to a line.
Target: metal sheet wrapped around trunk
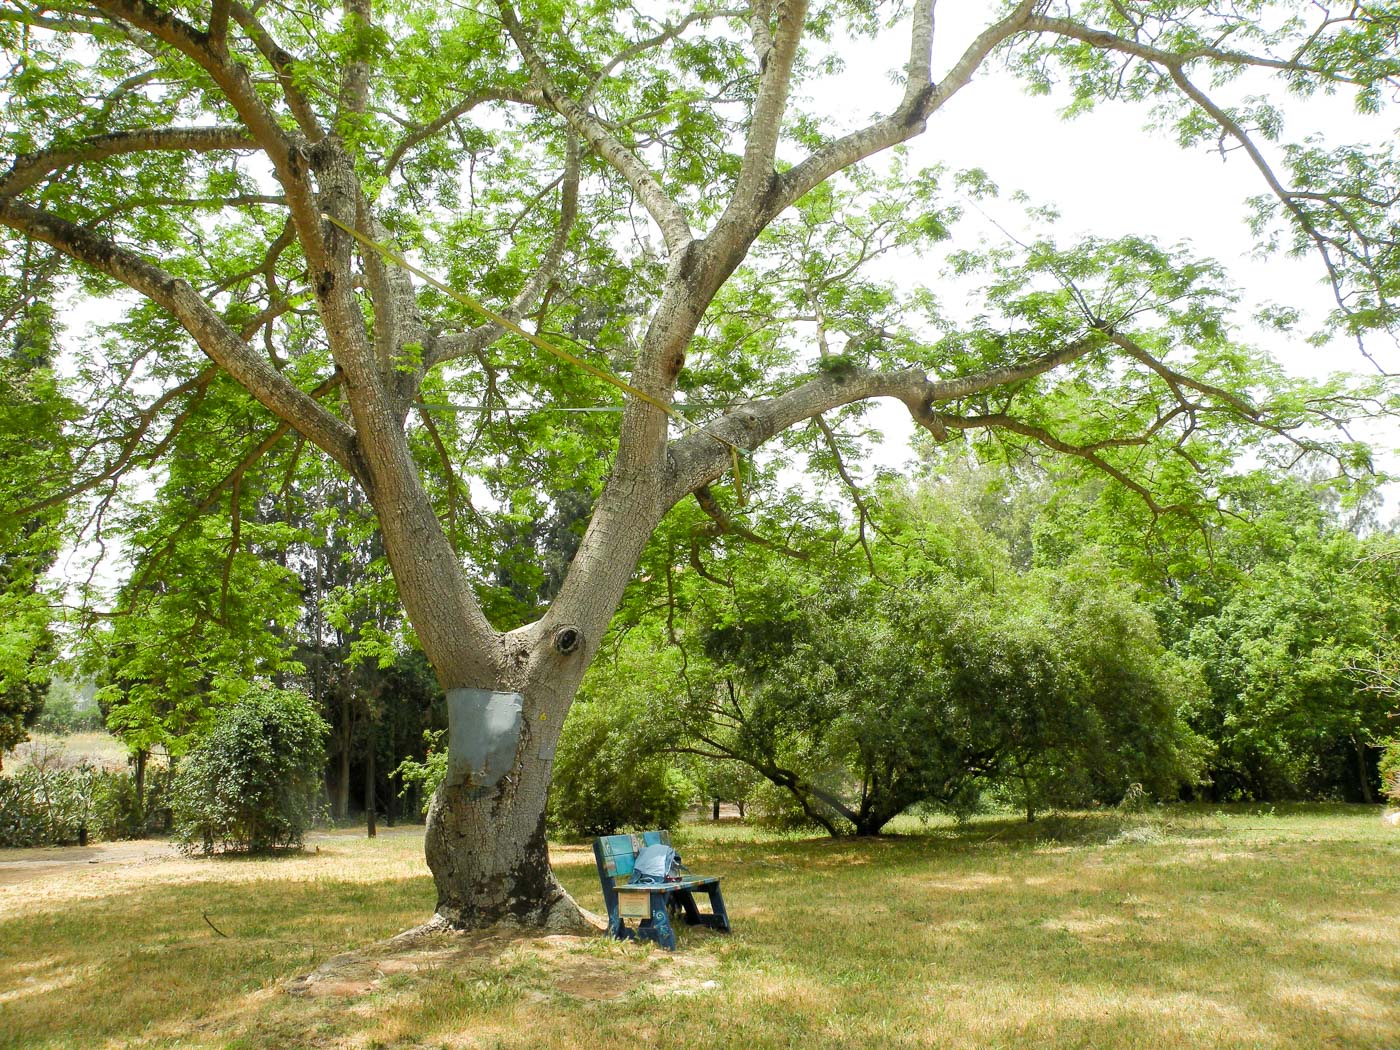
483	732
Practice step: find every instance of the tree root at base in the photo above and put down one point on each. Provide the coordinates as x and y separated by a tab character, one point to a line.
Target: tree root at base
438	938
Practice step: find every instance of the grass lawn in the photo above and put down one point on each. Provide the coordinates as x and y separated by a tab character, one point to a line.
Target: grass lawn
1188	927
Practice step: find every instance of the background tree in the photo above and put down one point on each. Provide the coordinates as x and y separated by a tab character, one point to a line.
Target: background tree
1289	713
30	403
610	775
936	672
245	272
1281	604
358	667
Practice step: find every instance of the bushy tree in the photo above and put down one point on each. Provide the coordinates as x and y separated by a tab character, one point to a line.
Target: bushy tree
877	699
31	404
916	663
1288	712
610	776
1285	605
1390	770
251	784
1121	723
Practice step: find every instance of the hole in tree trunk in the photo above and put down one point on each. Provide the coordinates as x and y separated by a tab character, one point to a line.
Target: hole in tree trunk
567	639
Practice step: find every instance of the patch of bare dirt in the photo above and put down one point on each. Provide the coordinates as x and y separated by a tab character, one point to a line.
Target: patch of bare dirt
550	966
21	865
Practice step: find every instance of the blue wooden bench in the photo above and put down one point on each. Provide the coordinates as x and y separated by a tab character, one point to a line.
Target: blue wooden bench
651	904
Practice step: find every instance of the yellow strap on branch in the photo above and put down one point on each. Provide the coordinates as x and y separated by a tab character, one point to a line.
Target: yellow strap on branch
534	340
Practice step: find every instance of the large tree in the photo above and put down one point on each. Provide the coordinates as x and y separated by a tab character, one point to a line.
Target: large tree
606	175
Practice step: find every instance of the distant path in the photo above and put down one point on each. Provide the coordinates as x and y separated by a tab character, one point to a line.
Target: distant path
22	865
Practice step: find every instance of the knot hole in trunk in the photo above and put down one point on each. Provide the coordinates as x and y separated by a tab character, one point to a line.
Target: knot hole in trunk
567	640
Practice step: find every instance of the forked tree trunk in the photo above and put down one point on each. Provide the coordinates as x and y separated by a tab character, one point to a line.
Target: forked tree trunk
508	692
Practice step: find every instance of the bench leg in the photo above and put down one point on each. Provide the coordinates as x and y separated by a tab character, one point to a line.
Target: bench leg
720	916
658	927
686	900
617	929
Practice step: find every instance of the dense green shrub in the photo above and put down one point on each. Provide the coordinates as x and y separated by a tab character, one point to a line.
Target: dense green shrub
42	807
608	776
119	815
46	803
252	784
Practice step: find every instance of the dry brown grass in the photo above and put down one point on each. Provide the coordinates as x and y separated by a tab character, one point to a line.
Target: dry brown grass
1243	929
99	748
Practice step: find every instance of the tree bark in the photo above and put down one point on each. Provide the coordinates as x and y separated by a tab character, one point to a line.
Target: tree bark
141	755
342	787
1363	774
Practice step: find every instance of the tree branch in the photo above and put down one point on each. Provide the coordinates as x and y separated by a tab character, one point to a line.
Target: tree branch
218	25
281	63
911	117
525	96
233	79
31	168
756	173
129	444
725	525
354	81
1176	379
459	344
667	214
699	457
223	346
862	511
1106	41
1002	421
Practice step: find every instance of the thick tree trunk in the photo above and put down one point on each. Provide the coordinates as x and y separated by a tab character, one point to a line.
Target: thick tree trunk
490	860
486	841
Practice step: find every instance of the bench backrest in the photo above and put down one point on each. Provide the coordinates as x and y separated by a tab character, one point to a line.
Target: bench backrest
616	856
